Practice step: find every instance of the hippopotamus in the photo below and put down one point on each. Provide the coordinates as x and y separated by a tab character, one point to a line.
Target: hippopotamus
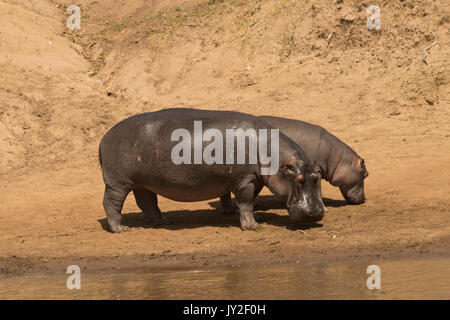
179	154
339	164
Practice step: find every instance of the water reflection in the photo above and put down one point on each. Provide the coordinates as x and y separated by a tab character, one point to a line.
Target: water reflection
400	279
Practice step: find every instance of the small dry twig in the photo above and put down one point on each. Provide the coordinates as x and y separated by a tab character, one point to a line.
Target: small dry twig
329	37
426	51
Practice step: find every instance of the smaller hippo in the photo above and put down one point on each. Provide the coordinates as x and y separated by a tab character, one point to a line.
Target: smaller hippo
339	164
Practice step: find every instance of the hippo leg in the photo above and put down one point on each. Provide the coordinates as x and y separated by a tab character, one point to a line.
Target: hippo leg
245	201
320	196
147	201
113	202
255	194
226	204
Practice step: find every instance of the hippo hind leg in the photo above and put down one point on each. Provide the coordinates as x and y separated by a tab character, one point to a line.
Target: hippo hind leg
226	204
113	202
147	201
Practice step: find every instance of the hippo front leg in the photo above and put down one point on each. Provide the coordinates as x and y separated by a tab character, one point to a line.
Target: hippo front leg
227	204
245	201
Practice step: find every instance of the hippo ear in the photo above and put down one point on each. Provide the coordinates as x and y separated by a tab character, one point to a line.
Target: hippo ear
362	166
361	163
357	161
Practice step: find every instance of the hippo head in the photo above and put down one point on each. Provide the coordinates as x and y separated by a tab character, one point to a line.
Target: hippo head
349	176
300	182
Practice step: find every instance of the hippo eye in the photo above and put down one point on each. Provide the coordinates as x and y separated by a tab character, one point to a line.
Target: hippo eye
362	165
299	179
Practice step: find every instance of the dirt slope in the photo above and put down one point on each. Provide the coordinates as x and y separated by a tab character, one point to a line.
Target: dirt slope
60	90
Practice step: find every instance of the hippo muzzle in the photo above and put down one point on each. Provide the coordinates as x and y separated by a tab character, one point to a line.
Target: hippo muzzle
355	199
354	194
303	212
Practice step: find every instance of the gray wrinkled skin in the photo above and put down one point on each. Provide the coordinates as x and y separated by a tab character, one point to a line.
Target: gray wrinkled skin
339	164
135	155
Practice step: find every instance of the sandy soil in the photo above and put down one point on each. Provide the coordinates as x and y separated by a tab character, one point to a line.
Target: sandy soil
60	91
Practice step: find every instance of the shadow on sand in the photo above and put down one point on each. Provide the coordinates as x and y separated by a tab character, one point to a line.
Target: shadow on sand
273	202
190	219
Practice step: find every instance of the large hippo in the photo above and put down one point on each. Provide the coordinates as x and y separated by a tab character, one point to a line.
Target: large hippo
152	153
339	164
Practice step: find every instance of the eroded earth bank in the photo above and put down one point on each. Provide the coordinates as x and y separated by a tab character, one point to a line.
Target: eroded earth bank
385	93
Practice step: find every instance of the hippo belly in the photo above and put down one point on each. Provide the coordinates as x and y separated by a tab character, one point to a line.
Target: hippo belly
188	183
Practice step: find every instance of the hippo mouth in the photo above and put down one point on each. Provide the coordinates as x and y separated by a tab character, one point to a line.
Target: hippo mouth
355	198
304	218
301	215
358	200
353	195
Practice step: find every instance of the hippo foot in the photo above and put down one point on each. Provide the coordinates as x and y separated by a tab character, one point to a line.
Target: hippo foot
253	225
161	221
119	228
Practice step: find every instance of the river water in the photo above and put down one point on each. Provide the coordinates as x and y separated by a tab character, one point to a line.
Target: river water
423	278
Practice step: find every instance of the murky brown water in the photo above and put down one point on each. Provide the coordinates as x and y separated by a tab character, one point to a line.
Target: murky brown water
424	278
